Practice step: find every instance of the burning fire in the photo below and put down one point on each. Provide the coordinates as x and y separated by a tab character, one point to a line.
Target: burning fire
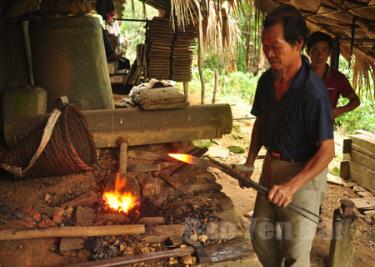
119	200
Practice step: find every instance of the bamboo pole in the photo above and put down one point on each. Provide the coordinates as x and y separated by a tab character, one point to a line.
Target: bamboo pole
74	231
200	66
186	89
215	88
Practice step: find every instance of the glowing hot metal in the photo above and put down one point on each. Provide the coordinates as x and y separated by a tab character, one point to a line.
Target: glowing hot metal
192	160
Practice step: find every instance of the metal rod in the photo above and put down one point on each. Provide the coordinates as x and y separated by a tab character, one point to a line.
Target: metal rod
125	260
133	20
264	190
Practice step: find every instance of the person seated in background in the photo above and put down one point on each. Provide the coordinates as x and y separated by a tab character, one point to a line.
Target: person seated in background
319	48
106	9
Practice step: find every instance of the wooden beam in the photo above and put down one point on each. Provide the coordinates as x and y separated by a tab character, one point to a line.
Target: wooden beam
141	127
364	140
74	231
362	159
363	150
365	177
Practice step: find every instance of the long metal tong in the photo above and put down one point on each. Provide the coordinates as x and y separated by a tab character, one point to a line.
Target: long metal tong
204	163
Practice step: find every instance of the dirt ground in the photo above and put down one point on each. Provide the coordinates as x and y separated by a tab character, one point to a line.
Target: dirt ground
18	253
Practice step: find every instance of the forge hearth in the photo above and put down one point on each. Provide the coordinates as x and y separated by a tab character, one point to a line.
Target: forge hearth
178	204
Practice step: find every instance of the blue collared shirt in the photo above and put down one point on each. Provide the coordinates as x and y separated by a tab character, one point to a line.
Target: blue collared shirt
296	124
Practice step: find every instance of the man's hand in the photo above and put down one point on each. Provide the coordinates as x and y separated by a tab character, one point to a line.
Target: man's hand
244	170
281	195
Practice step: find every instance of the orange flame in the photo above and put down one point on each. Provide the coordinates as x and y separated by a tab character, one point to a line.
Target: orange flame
182	157
119	200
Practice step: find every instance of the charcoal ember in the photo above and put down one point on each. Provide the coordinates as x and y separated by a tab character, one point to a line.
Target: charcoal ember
109	247
58	216
190	205
172	261
149	209
188	260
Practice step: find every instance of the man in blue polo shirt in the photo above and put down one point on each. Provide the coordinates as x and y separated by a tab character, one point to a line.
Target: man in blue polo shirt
293	121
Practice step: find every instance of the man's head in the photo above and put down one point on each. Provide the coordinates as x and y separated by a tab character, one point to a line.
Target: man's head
284	34
319	46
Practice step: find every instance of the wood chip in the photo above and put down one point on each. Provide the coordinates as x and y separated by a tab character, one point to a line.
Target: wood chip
364	203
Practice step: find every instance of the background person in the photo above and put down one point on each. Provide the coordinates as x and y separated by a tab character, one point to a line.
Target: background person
319	48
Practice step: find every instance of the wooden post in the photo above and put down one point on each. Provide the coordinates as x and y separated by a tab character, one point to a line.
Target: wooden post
347	146
215	88
123	161
200	66
186	89
343	231
345	170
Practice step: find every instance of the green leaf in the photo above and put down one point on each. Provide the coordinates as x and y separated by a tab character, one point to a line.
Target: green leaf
236	149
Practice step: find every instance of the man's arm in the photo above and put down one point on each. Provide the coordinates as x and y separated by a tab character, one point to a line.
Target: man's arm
282	195
255	143
353	103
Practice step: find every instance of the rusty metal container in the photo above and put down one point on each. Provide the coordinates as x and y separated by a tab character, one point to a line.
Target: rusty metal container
69	59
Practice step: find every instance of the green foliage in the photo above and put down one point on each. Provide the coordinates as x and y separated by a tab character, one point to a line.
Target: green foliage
202	143
236	149
335	171
362	117
132	31
237	83
344	68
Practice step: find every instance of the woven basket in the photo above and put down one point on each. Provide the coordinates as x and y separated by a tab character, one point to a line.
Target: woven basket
71	148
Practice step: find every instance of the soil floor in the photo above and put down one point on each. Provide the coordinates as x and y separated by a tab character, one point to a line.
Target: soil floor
243	199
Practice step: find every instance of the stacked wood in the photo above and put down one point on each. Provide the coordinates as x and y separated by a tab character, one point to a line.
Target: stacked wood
362	159
182	54
159	36
134	75
170	54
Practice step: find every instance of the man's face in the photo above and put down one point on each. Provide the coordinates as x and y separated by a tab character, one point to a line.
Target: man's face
279	53
319	52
